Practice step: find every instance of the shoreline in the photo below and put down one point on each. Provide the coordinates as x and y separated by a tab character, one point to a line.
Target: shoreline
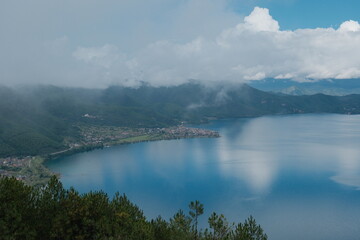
32	169
147	135
21	167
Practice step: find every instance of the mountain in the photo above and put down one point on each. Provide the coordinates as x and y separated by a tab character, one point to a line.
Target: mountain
38	120
25	128
333	87
298	91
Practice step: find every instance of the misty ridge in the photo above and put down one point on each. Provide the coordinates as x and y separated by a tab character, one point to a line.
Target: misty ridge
37	119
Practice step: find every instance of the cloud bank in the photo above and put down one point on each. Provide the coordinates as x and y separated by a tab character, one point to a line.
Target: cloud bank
253	49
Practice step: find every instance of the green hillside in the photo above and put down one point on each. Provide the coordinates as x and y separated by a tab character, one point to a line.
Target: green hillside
38	120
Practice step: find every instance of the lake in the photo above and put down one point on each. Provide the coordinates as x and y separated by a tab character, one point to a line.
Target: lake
298	175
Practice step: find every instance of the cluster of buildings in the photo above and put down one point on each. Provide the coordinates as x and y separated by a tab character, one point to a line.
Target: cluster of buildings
14	162
101	135
11	166
186	132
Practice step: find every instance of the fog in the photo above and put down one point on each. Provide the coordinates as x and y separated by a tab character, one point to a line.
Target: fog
164	42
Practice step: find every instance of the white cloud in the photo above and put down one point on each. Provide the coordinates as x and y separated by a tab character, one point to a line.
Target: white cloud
257	76
350	26
260	20
199	39
252	50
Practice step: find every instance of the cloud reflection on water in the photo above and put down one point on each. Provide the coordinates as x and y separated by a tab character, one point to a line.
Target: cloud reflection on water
290	172
267	146
348	172
249	160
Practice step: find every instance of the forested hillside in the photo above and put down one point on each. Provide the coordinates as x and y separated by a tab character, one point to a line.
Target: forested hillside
25	128
38	120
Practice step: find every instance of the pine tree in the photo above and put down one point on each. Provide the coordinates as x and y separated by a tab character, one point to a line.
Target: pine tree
196	209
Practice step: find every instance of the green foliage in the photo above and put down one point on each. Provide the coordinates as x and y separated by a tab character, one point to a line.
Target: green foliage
196	209
36	120
249	230
51	212
49	208
221	229
129	220
83	217
17	210
180	225
161	228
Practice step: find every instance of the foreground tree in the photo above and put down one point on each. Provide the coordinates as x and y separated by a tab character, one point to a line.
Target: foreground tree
49	202
180	225
196	209
162	230
52	212
17	210
129	220
249	230
220	227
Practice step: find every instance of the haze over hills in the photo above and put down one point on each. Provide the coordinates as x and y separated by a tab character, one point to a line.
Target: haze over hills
334	87
37	120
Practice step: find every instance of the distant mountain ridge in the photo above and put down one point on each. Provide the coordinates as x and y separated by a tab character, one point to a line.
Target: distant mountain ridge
333	87
37	120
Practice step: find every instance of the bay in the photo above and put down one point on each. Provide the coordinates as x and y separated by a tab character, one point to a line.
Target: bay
298	175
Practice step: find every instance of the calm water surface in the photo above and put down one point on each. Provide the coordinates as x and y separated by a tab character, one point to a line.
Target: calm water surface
299	176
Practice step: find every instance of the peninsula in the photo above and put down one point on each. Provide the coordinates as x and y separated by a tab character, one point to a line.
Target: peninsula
32	171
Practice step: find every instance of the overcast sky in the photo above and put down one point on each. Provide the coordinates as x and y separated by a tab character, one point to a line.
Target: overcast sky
97	43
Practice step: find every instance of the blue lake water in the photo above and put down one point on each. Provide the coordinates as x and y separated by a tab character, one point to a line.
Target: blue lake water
299	175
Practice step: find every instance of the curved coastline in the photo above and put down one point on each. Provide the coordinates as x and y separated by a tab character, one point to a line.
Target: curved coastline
33	170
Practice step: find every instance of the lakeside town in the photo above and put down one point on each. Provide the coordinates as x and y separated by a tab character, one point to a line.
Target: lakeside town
13	164
93	135
31	170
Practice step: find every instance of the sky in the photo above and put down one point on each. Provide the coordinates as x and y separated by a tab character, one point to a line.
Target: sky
97	43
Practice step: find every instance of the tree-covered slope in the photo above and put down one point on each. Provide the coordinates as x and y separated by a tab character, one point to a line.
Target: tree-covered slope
36	120
25	129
